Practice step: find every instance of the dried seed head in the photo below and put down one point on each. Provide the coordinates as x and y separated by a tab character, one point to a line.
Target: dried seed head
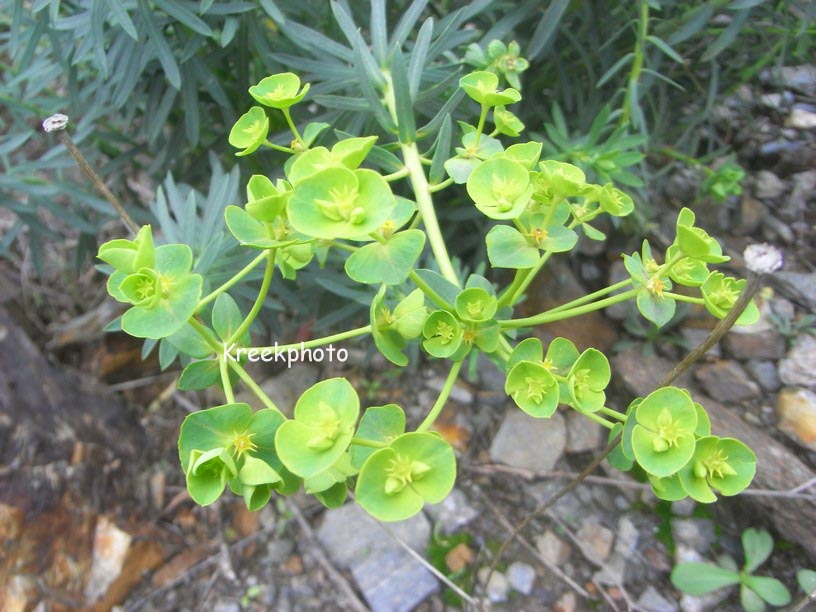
763	258
55	123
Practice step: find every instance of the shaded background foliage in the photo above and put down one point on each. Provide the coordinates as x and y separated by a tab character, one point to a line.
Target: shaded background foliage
152	88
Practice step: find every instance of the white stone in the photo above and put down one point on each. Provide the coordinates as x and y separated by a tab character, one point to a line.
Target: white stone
525	442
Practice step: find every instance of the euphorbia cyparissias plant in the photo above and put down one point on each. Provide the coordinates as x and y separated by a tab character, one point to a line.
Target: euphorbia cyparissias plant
338	198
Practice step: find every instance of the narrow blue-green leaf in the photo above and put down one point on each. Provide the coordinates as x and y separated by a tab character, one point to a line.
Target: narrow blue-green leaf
185	16
546	27
312	40
727	36
738	5
229	30
614	69
418	54
273	11
34	34
441	152
163	52
402	97
379	30
665	48
121	16
444	112
407	23
698	18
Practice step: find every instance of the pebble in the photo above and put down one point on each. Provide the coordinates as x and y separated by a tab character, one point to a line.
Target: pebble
225	605
552	548
595	540
110	546
526	442
521	577
453	512
490	377
695	337
582	434
498	587
799	366
652	601
753	343
683	507
768	186
695	533
799	286
804	186
796	409
801	119
566	603
726	381
798	78
458	394
764	372
626	541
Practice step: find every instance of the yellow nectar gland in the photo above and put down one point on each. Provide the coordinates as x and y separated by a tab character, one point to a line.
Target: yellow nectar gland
242	443
539	235
444	331
386	318
655	286
402	471
717	465
535	389
145	289
469	336
548	365
253	128
669	432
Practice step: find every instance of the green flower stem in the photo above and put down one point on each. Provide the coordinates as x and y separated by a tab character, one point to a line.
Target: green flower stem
352	333
522	281
598	419
401	173
443	397
253	386
480	126
225	380
637	63
549	316
425	206
344	247
613	413
664	269
440	186
593	296
241	274
276	147
256	307
683	298
368	443
691	161
205	333
504	349
293	127
428	291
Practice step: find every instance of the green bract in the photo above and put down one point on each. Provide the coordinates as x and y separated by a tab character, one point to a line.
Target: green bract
250	131
475	305
500	188
128	256
388	262
533	389
325	416
525	153
415	469
721	291
561	179
612	200
252	232
348	153
506	122
469	154
587	379
279	90
443	334
483	87
663	440
723	464
380	424
340	203
265	200
695	242
163	297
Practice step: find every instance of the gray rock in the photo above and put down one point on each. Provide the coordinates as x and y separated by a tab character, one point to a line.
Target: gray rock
801	119
695	337
799	286
498	587
652	601
459	393
764	372
595	540
393	581
626	541
582	434
552	548
804	186
750	343
727	381
799	366
798	78
278	550
349	533
621	310
695	533
224	605
525	442
453	512
683	507
490	377
521	577
768	185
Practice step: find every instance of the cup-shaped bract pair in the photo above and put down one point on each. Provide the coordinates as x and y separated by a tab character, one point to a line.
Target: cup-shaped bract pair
322	428
611	199
128	256
547	230
559	180
475	305
686	271
396	482
250	131
507	59
163	297
230	445
500	188
695	241
443	334
720	292
722	464
392	329
348	153
506	122
483	87
340	203
533	388
266	200
587	379
279	90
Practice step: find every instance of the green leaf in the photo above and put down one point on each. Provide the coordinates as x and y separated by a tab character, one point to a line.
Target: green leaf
266	201
663	440
251	232
769	589
381	424
526	350
199	375
669	488
325	416
751	602
403	101
351	152
533	389
227	318
163	51
508	248
387	340
388	263
279	90
334	496
617	458
807	580
658	310
459	168
188	341
701	578
500	188
212	428
665	48
758	546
